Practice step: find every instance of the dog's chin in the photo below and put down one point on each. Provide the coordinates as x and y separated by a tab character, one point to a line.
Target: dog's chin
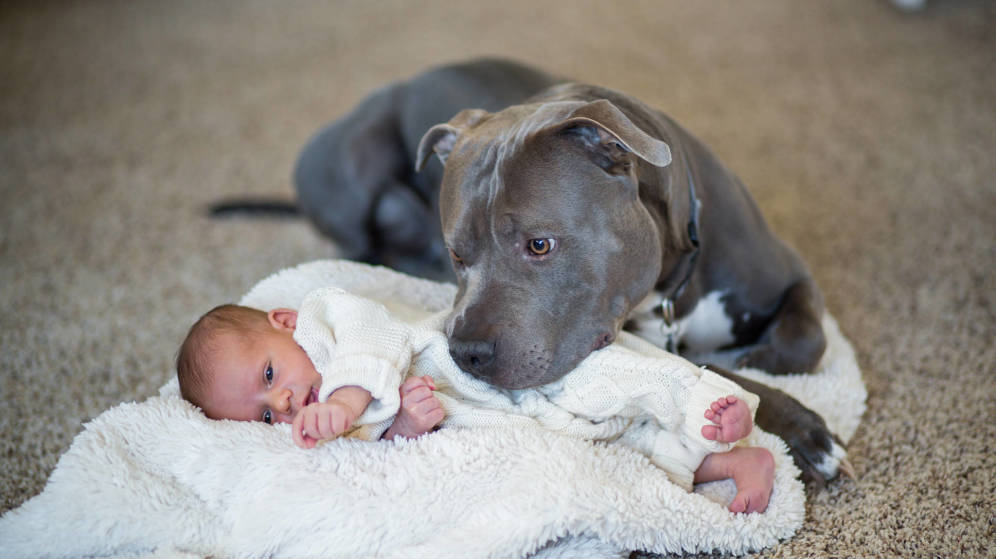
510	382
536	368
519	373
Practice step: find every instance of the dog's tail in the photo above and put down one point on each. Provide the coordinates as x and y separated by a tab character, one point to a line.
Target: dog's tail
262	207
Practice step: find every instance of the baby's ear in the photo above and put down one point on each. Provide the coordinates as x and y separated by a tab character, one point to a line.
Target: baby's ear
282	319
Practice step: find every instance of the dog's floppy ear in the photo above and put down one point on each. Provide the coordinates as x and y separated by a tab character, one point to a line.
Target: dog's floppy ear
611	135
441	138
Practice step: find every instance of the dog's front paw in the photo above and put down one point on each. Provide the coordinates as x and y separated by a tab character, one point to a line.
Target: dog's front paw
819	456
817	452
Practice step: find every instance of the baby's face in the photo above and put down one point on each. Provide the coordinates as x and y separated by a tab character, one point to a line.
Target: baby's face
261	377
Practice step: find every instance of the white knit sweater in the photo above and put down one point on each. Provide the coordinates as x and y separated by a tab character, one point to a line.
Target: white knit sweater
630	392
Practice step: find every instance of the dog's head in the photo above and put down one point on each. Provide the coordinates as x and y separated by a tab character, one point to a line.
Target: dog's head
551	244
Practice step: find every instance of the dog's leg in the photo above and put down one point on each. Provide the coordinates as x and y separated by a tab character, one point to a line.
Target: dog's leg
817	452
794	341
406	234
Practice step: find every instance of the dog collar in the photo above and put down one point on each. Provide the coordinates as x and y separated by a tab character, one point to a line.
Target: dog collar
669	325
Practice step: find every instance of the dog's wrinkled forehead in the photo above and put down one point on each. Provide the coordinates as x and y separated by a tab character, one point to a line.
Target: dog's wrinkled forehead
498	138
514	125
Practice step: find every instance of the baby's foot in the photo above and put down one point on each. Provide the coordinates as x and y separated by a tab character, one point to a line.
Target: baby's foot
754	473
732	420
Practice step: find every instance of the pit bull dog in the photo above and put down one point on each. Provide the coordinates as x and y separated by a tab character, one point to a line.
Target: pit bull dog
567	212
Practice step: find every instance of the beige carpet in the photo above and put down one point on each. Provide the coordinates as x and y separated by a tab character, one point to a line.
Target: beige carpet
866	135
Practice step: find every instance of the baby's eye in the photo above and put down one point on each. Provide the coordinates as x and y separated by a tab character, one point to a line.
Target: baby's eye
268	375
268	417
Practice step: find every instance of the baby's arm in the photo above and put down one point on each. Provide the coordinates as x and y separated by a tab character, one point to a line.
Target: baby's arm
331	418
420	409
354	341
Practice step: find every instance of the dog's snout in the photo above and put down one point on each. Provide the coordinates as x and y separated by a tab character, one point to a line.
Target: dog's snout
473	356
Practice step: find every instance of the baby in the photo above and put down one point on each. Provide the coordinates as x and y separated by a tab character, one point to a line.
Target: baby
346	364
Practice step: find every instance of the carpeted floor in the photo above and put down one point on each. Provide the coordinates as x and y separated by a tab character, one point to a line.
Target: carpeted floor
867	136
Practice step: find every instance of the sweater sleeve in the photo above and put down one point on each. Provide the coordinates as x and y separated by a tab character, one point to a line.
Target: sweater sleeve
354	341
639	382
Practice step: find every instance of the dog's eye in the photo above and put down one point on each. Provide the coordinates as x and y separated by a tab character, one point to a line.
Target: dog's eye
455	257
540	247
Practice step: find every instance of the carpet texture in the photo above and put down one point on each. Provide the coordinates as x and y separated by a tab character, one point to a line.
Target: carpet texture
866	135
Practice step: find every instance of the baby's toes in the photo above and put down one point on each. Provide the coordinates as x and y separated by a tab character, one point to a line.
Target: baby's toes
710	432
727	402
749	501
739	503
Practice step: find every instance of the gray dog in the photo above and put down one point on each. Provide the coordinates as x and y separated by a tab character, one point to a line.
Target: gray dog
568	212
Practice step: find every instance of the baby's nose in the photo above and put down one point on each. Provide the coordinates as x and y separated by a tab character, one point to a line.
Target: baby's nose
280	400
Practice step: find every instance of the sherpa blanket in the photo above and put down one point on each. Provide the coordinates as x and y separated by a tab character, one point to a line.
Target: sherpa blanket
158	479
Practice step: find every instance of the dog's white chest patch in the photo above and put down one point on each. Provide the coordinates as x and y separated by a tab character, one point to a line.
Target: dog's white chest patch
707	327
704	329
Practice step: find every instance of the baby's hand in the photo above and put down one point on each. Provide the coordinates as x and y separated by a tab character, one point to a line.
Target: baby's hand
420	409
321	420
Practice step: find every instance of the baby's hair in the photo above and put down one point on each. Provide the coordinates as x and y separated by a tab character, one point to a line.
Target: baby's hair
193	360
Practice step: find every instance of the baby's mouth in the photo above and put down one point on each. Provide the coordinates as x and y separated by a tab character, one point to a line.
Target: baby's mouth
312	397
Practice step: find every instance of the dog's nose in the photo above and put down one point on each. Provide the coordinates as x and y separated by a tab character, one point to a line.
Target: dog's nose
472	356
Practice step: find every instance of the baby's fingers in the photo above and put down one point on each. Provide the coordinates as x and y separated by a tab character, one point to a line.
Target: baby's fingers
297	431
339	423
410	384
324	425
418	394
434	417
414	383
430	412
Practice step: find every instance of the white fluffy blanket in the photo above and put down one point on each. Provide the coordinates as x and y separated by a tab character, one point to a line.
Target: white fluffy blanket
158	479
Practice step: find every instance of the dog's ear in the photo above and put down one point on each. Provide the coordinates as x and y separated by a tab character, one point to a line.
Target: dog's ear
611	136
441	138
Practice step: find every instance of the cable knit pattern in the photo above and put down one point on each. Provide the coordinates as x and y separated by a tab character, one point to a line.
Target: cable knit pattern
357	341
